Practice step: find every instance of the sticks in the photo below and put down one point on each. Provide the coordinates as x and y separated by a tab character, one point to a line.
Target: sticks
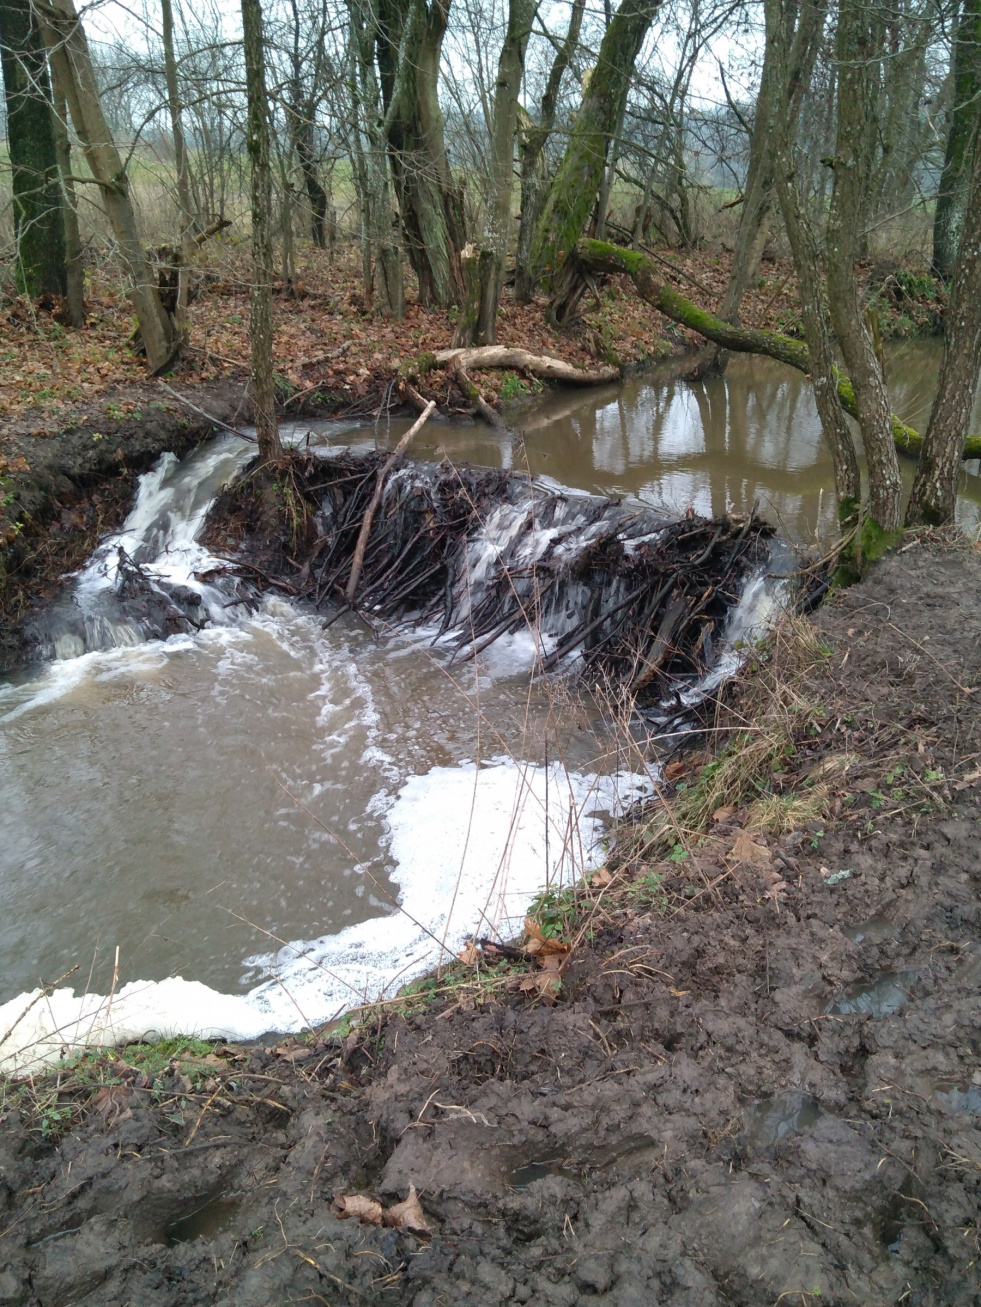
372	509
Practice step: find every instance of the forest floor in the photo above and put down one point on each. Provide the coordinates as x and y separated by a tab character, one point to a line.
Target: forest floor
758	1084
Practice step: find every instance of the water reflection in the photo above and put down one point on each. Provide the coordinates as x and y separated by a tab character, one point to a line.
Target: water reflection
752	435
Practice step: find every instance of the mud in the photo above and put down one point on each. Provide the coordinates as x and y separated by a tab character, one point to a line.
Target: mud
703	1118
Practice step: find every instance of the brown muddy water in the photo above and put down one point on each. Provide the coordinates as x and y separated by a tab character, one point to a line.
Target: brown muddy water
242	807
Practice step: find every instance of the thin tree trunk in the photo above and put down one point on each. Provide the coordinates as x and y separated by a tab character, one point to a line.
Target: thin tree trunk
381	255
857	57
779	128
534	174
71	62
485	268
39	224
781	91
74	267
185	207
963	118
260	322
934	495
573	191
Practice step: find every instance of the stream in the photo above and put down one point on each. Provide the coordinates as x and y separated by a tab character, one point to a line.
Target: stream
214	829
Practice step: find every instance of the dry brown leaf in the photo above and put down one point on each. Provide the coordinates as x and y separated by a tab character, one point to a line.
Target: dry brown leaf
599	879
723	814
469	955
543	983
112	1103
678	993
745	849
366	1210
408	1215
533	930
674	771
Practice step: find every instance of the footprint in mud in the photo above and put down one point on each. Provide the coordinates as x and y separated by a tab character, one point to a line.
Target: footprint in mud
960	1098
209	1219
772	1119
522	1176
883	997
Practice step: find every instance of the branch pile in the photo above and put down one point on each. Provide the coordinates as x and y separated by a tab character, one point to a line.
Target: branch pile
476	555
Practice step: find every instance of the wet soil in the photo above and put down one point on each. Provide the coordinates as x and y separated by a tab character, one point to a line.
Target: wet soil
759	1098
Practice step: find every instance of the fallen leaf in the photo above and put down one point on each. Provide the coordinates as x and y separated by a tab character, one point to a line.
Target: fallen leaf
366	1210
674	771
469	955
408	1215
723	814
533	930
112	1103
544	983
745	849
601	878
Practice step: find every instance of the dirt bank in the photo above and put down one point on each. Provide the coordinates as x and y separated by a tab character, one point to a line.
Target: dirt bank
760	1083
61	492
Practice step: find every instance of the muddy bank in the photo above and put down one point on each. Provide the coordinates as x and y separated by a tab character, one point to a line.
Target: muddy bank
759	1082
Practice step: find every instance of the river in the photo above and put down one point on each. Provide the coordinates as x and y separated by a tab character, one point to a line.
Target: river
241	807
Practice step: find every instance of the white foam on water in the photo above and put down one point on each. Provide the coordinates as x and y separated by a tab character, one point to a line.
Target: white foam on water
470	847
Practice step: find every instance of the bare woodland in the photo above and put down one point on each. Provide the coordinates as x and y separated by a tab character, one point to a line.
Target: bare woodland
468	151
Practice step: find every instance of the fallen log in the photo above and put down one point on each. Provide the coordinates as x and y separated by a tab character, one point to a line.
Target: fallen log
592	256
522	360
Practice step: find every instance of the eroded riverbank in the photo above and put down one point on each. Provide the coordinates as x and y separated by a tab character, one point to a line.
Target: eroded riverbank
759	1082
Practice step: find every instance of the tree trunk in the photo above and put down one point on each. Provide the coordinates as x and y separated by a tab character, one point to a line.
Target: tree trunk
857	58
260	322
185	207
934	495
780	129
573	191
71	64
74	267
534	173
316	194
39	224
409	38
785	76
965	111
380	252
480	327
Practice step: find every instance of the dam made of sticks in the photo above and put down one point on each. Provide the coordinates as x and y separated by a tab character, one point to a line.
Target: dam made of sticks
604	585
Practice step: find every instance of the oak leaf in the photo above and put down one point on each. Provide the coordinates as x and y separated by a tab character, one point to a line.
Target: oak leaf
469	955
600	879
723	814
674	771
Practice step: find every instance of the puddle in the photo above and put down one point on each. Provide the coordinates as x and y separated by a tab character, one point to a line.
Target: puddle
957	1098
882	997
204	1222
776	1118
523	1176
878	927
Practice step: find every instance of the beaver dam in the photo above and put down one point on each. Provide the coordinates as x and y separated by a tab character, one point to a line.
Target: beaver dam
304	770
476	556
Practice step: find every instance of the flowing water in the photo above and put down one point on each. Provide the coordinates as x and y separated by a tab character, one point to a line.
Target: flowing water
242	807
